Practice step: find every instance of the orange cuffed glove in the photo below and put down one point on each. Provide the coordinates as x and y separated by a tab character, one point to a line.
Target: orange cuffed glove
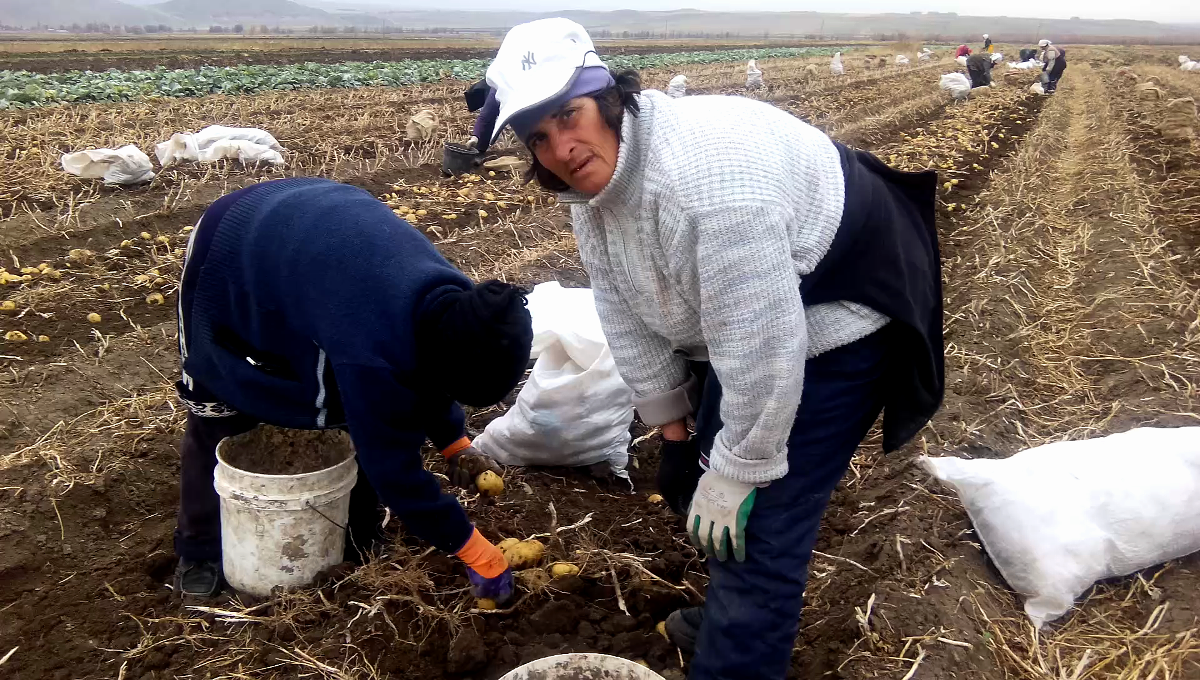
464	463
487	568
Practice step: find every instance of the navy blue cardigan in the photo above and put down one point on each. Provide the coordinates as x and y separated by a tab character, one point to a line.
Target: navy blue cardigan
299	306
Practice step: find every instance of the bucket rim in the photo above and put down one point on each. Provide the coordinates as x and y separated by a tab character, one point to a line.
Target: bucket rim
353	458
453	147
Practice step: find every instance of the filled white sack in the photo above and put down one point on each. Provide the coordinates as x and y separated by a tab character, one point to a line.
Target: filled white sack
1059	517
957	84
835	64
901	60
574	409
754	77
126	165
217	142
678	86
962	61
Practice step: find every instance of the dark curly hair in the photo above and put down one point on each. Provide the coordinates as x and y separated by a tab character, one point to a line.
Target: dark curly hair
613	102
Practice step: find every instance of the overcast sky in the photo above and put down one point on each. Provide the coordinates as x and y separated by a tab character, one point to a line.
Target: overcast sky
1175	11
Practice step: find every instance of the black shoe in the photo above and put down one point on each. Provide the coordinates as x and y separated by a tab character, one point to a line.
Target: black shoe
198	579
683	627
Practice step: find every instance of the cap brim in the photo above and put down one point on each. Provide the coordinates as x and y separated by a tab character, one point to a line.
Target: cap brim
545	89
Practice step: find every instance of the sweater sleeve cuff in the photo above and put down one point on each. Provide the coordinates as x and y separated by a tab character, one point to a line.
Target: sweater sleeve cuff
457	446
679	403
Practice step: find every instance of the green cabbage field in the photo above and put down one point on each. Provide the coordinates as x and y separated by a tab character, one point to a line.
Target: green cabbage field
22	89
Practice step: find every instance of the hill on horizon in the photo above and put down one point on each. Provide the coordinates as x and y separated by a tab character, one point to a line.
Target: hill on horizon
200	14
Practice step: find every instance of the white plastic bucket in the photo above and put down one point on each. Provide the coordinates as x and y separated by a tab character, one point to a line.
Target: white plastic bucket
281	530
580	665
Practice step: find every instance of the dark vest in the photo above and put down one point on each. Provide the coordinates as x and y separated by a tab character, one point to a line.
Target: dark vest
885	256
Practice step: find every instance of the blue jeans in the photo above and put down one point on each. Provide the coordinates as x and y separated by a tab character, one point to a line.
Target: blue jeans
752	612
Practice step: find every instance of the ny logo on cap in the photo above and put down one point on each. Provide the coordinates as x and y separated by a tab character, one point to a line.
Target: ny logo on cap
528	62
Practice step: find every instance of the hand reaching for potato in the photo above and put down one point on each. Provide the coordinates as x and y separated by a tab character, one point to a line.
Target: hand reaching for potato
466	465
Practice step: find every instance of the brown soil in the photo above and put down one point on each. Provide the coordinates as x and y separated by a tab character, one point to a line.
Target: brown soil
270	450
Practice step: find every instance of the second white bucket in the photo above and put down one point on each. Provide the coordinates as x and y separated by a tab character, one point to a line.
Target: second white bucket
282	530
580	665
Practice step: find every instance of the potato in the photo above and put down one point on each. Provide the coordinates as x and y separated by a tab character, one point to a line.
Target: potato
485	604
8	306
93	318
507	543
561	569
154	299
18	336
145	235
489	483
654	498
43	338
662	629
524	554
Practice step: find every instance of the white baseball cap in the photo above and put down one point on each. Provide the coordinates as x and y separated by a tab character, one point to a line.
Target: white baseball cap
538	62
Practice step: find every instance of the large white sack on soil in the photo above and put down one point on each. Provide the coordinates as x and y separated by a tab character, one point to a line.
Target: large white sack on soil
575	409
126	165
835	64
958	85
1057	518
217	142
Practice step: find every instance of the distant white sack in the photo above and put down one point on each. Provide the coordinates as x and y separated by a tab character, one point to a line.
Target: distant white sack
217	142
678	86
835	64
126	165
901	60
754	78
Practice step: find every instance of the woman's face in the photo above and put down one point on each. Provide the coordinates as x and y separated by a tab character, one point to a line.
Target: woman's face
577	145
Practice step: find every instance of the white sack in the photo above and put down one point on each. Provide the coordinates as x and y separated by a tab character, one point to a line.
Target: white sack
1057	518
678	86
924	56
962	61
901	60
575	409
1025	65
1183	59
216	142
754	77
957	84
1037	88
126	165
835	64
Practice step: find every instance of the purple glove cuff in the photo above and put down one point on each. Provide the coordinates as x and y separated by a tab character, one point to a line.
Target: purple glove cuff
498	589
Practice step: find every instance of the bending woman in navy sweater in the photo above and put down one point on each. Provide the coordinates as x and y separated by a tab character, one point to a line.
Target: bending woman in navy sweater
308	304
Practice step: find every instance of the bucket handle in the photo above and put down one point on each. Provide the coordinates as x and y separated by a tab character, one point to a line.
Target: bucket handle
309	504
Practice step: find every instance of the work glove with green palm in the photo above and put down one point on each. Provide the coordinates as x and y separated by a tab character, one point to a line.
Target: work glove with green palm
718	515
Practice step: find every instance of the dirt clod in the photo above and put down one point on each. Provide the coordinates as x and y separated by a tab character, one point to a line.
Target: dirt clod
467	653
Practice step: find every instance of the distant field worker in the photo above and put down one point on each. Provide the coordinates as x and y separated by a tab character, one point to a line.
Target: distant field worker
750	273
987	44
482	98
962	51
979	69
308	304
1054	62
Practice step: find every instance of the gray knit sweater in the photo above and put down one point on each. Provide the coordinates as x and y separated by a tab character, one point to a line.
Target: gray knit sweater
717	208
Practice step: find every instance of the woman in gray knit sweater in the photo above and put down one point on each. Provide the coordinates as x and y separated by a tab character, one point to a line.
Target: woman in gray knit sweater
753	277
